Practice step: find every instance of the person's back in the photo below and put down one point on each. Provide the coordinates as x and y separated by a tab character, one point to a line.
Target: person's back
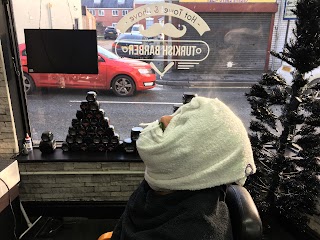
200	214
190	156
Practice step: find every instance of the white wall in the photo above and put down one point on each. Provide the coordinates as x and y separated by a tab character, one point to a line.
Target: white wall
279	34
27	14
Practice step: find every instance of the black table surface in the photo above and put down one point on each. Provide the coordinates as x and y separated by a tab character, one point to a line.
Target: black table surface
59	156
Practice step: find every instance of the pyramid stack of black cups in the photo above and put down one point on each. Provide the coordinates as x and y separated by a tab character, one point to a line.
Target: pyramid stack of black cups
91	129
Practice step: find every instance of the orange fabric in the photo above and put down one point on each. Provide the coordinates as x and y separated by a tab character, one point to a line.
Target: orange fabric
105	236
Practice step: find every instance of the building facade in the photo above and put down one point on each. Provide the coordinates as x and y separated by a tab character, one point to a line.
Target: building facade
260	21
107	12
239	37
282	33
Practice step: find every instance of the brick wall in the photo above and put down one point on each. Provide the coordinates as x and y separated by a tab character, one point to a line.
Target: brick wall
79	181
108	19
8	139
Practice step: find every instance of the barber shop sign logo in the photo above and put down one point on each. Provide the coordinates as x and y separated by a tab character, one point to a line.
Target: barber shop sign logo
185	53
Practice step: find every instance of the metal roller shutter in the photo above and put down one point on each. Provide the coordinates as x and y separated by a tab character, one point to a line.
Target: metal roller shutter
240	38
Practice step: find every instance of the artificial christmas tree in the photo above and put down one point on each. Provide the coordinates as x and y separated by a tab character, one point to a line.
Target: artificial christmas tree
285	129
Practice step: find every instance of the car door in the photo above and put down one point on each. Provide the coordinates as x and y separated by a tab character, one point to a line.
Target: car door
89	80
40	79
104	71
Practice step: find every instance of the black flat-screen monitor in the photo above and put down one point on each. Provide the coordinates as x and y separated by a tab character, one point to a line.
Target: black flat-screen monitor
61	51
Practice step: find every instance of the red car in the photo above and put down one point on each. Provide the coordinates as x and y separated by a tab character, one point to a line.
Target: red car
123	75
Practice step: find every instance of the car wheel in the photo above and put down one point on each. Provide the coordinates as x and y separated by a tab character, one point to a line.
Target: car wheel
28	83
123	86
315	94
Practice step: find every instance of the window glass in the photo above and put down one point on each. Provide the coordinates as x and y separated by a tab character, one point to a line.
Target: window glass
101	12
135	28
130	36
92	11
102	51
215	49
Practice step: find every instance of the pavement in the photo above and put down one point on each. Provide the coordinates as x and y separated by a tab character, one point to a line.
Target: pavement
187	79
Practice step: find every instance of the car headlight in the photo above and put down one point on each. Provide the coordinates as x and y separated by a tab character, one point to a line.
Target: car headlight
145	71
148	84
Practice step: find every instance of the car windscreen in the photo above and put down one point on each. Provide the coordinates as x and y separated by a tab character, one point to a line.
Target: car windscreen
130	36
104	52
136	28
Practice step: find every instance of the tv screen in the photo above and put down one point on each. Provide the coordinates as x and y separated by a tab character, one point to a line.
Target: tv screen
61	51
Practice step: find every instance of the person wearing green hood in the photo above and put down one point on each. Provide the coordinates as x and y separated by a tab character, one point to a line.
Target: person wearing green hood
190	157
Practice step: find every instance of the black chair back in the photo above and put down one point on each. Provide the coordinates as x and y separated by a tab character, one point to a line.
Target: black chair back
245	219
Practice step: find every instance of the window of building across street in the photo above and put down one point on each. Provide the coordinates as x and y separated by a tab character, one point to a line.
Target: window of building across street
92	11
114	12
101	12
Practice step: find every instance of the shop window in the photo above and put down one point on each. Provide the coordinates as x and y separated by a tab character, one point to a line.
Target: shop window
221	60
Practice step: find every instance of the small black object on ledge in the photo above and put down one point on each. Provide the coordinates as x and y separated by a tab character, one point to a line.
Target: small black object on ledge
47	143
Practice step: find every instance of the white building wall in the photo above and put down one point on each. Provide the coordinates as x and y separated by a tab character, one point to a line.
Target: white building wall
279	34
46	14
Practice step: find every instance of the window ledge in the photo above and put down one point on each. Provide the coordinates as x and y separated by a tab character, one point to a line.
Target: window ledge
58	155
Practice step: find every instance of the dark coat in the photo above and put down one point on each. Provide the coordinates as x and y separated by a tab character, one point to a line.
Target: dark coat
196	215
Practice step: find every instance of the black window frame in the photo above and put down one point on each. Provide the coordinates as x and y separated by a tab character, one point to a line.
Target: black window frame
13	70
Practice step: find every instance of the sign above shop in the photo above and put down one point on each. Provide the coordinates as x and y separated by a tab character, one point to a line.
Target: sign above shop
289	6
